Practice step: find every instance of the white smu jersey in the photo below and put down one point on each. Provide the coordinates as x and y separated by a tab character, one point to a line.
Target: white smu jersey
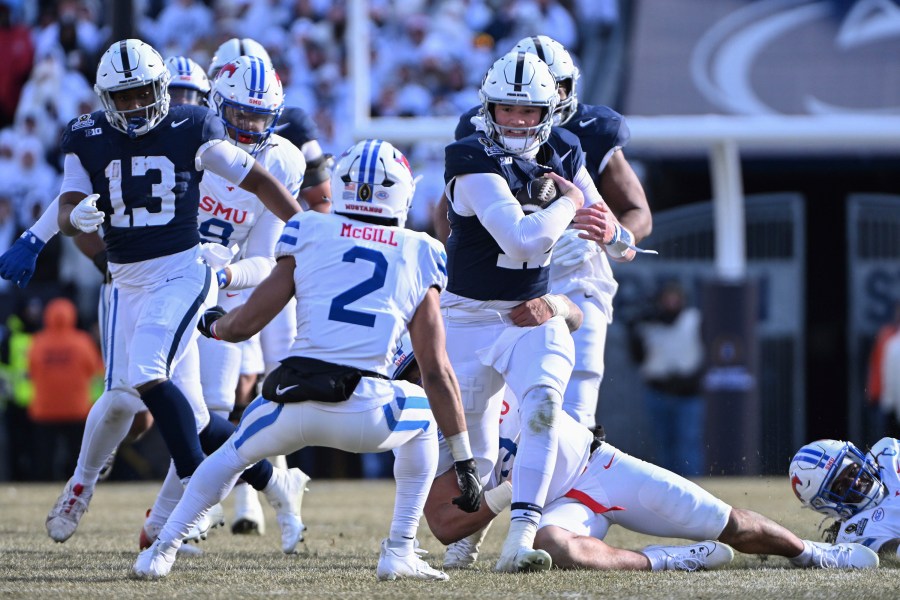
875	526
357	286
230	215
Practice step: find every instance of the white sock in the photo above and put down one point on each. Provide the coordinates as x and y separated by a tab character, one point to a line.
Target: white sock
414	465
521	535
499	498
537	451
804	558
106	426
166	499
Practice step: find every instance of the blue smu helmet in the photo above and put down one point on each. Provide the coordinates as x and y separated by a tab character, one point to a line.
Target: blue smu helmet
835	478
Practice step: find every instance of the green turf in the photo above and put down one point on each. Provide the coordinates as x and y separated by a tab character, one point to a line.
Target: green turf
346	521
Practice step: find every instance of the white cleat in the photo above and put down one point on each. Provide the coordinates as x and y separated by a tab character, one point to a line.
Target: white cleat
524	559
392	565
462	554
63	519
216	516
248	512
156	561
285	495
841	556
703	555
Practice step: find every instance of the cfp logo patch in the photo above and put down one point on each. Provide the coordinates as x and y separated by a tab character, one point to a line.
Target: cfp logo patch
878	514
82	122
857	528
489	147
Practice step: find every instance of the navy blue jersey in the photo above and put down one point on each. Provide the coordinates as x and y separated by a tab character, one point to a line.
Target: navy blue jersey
599	128
148	186
475	262
296	126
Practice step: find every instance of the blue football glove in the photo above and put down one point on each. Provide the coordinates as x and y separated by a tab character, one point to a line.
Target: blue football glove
17	264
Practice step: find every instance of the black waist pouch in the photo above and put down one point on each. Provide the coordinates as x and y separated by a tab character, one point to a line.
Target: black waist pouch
299	379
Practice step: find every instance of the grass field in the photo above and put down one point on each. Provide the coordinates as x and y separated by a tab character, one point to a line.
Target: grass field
346	521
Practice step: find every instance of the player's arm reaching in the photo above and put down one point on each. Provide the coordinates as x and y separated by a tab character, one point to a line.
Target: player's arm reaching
264	303
426	330
240	168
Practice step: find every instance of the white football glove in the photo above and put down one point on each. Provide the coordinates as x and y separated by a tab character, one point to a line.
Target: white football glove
571	250
216	255
85	216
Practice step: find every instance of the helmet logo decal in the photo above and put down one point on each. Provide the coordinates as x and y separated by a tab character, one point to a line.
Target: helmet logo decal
228	69
795	481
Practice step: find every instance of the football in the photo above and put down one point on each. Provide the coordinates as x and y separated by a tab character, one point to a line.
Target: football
537	194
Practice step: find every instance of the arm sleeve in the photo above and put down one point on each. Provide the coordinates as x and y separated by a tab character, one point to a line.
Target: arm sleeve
259	248
75	176
586	184
519	236
225	160
47	226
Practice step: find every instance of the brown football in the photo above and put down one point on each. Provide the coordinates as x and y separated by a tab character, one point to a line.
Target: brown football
538	194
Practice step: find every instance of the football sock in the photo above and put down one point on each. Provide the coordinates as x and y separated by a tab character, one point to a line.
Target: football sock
175	420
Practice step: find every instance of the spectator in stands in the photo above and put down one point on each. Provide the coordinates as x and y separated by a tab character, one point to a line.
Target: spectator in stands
668	345
18	55
62	361
890	381
877	409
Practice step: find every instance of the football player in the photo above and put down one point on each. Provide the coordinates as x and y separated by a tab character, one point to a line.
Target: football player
141	161
359	280
498	266
859	490
595	486
578	268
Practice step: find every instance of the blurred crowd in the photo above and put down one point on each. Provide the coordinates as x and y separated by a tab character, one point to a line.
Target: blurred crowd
427	58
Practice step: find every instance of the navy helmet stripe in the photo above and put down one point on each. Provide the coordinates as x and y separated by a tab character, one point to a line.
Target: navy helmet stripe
538	48
520	71
126	61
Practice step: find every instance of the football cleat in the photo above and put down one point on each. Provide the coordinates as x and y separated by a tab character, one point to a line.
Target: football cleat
63	519
839	556
524	559
704	555
464	553
396	563
106	469
285	494
156	561
149	533
248	512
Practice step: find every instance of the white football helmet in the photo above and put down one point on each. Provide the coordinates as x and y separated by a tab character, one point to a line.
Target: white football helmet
372	179
131	64
561	65
248	96
835	478
523	79
188	84
231	49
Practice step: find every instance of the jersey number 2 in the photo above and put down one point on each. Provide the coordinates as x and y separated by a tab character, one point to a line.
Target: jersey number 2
140	216
338	311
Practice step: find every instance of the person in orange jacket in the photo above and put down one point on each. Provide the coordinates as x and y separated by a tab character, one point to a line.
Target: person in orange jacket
62	361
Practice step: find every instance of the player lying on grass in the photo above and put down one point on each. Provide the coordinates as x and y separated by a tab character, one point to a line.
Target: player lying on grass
595	486
859	490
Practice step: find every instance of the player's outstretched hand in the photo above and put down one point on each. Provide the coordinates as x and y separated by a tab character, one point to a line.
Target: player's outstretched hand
85	216
469	484
210	316
17	264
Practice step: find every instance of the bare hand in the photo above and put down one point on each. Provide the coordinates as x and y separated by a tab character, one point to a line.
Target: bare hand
531	313
596	223
568	189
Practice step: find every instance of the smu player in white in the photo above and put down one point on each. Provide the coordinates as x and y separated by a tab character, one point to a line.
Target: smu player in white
249	99
142	162
859	490
498	265
360	280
